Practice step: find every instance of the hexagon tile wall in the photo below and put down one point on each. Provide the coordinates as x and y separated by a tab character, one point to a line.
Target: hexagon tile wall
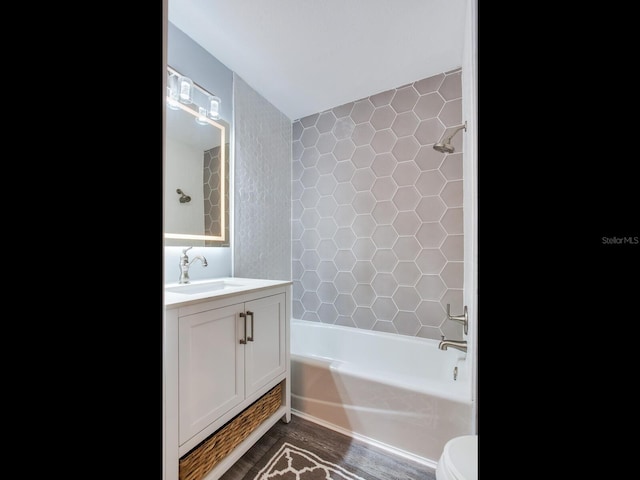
377	233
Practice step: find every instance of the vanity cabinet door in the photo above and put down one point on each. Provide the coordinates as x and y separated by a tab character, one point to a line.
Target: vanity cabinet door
265	353
211	367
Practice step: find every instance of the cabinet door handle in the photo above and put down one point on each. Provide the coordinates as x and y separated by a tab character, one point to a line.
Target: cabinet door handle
252	337
244	340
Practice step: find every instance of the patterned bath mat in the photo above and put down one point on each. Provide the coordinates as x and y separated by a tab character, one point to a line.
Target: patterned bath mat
286	461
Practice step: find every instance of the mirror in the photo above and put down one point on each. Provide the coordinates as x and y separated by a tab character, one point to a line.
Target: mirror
196	189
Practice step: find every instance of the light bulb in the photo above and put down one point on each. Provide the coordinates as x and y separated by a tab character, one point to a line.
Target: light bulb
201	119
186	90
214	107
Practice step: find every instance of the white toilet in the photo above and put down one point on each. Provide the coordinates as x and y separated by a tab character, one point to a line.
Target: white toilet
459	459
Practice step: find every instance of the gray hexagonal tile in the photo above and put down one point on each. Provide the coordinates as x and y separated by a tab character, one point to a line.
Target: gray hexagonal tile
384	284
383	188
344	149
430	235
297	270
326	163
309	218
384	308
296	229
384	260
433	333
310	157
383	141
345	215
451	87
430	261
326	227
404	99
384	236
344	282
451	166
344	238
343	110
298	309
344	260
297	169
428	159
405	149
296	130
384	212
405	173
362	179
453	274
407	248
383	164
326	206
310	260
310	239
344	304
451	114
405	124
382	98
310	281
428	85
327	249
406	323
343	128
309	120
310	198
429	131
363	225
363	271
309	137
364	248
406	198
297	189
327	292
429	106
430	287
453	247
406	223
345	321
430	209
363	295
430	182
362	111
364	318
309	177
384	326
327	313
430	313
363	156
310	301
326	143
452	194
326	184
297	249
296	150
383	117
452	220
406	273
325	122
363	202
344	193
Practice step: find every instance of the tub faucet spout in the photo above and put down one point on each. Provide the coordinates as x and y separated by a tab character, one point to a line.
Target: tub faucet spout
457	344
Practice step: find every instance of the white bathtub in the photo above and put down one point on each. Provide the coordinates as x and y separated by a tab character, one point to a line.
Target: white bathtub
392	390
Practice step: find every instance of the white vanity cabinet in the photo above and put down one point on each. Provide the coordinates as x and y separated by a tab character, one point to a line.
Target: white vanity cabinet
222	354
226	355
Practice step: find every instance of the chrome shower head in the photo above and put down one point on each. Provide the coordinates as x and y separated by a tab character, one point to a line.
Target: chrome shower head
445	146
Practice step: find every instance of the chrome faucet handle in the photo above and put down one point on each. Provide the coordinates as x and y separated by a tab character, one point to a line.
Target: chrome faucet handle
464	318
184	250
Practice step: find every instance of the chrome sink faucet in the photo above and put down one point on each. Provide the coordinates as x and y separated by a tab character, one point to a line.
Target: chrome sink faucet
185	264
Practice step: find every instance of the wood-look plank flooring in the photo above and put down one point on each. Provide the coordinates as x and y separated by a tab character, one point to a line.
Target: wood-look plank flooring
376	462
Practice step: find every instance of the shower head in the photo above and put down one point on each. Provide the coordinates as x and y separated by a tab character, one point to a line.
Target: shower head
445	145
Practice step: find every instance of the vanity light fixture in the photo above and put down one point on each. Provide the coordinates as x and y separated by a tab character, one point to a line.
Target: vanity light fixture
201	119
172	92
186	90
214	107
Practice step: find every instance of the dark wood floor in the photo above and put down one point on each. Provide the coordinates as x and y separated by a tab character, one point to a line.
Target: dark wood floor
377	462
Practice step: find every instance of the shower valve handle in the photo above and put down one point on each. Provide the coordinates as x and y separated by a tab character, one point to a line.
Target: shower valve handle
464	318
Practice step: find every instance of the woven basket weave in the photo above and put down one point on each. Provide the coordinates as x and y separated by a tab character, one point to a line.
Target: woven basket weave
203	458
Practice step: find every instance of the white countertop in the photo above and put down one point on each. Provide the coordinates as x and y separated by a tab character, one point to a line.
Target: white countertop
233	286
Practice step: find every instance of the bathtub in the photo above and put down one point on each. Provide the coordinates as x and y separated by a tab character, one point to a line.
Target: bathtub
394	391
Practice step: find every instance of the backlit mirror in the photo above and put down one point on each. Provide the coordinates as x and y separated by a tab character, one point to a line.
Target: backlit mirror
196	190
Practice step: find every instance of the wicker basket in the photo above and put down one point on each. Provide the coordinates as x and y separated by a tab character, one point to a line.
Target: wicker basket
202	459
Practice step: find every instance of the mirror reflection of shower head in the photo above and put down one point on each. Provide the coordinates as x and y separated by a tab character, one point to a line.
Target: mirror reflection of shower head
445	145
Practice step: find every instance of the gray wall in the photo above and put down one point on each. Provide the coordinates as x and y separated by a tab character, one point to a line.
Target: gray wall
377	226
262	211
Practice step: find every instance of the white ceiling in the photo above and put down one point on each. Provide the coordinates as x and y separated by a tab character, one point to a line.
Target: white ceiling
307	56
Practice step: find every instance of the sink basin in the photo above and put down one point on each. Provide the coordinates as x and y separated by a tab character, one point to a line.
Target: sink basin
194	288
